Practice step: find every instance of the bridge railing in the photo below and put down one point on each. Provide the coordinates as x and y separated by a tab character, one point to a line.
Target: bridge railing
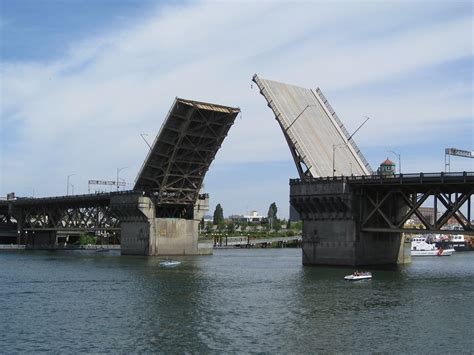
376	178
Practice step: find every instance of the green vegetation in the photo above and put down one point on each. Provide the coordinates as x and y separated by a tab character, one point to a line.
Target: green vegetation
218	218
273	221
275	227
85	239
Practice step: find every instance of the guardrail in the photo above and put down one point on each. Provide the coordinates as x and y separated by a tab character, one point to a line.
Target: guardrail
390	179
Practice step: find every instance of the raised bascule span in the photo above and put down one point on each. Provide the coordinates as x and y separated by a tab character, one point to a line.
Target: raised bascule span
318	141
188	141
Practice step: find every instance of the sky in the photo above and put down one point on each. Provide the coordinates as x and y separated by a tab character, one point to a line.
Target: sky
81	81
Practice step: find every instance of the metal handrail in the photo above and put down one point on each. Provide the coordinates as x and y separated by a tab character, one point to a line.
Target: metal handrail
383	178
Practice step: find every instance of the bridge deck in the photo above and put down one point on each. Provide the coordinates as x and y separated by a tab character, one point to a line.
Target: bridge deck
396	179
316	137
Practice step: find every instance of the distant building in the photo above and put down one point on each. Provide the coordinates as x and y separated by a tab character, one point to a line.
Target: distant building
386	168
428	213
253	218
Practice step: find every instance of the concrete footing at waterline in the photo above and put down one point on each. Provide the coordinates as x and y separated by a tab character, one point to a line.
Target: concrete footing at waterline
144	234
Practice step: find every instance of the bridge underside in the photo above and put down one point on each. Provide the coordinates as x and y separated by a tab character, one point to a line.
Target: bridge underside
174	170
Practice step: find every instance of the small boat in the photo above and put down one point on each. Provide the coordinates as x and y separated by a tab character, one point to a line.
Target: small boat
170	263
365	275
420	247
102	250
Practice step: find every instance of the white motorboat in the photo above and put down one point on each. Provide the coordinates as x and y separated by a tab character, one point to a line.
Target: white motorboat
359	276
170	263
419	247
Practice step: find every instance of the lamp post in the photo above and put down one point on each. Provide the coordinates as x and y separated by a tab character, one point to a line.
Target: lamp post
67	189
143	136
335	146
399	160
299	115
118	171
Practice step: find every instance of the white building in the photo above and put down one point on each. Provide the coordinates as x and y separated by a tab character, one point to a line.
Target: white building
253	217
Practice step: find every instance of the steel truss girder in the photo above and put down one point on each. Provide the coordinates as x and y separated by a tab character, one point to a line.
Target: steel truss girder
92	217
183	151
374	216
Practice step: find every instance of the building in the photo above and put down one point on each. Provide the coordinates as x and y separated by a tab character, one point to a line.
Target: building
386	168
252	218
427	212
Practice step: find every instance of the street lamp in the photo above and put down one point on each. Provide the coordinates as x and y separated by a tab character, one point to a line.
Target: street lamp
67	190
335	146
291	124
118	171
399	160
143	136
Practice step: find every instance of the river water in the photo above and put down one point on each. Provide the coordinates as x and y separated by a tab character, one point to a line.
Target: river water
260	300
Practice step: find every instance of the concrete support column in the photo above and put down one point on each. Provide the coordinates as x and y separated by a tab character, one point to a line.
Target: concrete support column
331	213
144	234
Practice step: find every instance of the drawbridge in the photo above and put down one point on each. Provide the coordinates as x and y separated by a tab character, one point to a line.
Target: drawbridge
352	216
174	169
170	180
318	141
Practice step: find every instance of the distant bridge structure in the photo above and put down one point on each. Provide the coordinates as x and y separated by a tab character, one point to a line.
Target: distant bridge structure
351	216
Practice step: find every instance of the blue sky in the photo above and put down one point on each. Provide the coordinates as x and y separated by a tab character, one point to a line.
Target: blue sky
81	80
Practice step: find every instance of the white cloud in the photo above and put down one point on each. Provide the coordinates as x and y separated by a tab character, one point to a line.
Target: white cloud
84	112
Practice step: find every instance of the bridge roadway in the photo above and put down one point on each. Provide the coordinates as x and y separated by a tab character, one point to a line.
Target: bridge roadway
88	212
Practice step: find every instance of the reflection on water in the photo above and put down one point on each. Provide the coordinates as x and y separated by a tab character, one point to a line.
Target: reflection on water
237	300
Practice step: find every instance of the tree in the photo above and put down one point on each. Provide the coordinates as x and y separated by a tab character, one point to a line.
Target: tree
231	227
272	215
218	217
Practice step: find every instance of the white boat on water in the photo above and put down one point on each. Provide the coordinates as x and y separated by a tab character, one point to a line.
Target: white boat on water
170	263
359	276
419	247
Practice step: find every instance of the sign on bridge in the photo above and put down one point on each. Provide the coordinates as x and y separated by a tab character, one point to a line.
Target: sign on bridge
106	182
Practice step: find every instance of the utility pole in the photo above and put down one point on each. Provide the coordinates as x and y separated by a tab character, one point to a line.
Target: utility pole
67	190
118	172
399	160
143	136
335	146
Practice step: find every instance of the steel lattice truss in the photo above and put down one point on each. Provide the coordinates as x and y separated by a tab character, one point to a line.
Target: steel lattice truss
449	196
385	203
187	143
79	214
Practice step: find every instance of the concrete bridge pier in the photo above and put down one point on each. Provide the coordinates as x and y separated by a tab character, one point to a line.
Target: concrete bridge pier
331	213
144	234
